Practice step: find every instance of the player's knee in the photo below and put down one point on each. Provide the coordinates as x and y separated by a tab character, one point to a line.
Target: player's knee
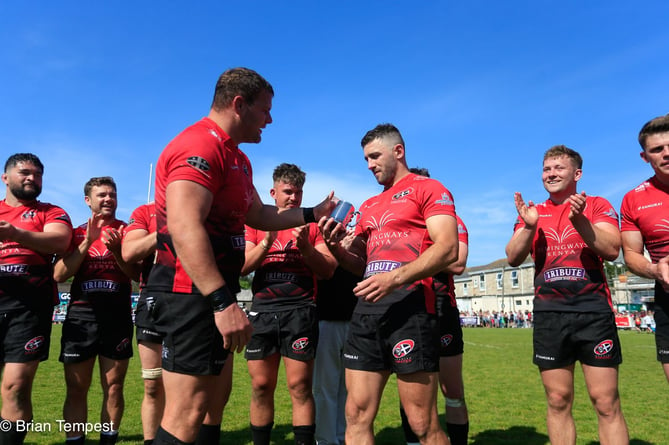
356	414
606	405
115	390
152	373
420	426
153	384
301	391
263	386
559	401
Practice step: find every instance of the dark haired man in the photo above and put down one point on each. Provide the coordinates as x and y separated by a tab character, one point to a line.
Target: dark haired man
404	236
30	233
569	235
451	344
139	246
644	224
98	322
287	264
204	196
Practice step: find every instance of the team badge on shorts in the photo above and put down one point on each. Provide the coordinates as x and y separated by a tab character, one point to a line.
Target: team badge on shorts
446	340
300	344
402	348
34	344
123	344
603	349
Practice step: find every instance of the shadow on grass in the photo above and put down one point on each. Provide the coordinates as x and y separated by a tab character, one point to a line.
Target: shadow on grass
632	442
389	436
279	436
511	436
94	438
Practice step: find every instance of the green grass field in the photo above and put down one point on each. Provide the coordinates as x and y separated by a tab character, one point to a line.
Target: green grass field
504	396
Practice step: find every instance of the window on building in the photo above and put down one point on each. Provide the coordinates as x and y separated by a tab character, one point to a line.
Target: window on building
482	282
500	280
527	302
514	278
465	289
519	302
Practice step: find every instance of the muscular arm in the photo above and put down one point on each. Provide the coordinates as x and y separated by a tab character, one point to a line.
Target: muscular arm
603	238
188	205
349	250
444	234
458	266
636	261
521	242
265	217
256	253
319	259
70	263
520	245
112	239
55	237
138	244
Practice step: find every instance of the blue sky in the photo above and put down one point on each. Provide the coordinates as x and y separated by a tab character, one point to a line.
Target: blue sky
479	90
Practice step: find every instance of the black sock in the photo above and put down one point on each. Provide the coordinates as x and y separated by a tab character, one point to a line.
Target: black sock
108	439
165	438
79	440
10	436
409	435
261	434
457	432
208	435
148	442
304	434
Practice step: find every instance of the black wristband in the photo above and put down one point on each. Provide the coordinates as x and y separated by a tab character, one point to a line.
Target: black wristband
308	215
221	298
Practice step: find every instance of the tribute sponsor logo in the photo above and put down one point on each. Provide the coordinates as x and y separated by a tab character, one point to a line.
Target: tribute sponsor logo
381	266
14	269
280	277
238	242
564	274
100	286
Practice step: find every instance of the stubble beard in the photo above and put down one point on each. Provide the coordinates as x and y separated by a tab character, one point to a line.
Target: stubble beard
26	194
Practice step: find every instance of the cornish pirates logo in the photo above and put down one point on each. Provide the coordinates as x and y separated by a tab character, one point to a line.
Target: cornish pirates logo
560	237
28	215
